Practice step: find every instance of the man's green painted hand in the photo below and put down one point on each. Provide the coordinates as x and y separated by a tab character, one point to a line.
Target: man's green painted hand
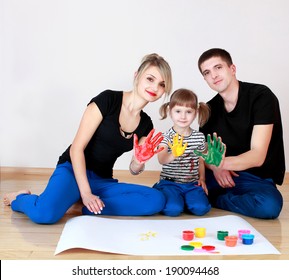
215	152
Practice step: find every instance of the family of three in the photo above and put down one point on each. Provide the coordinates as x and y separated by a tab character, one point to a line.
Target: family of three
240	176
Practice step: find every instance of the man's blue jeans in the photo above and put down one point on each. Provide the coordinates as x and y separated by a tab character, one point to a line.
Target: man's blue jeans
252	196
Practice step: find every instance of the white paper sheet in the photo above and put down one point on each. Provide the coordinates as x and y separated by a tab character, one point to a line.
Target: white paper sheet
157	237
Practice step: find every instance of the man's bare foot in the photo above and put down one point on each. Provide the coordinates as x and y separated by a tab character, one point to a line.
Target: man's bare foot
9	197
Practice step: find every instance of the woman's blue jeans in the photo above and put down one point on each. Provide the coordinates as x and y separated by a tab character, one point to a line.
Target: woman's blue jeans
120	199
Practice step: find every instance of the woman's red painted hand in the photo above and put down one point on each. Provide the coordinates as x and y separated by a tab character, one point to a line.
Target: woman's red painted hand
149	148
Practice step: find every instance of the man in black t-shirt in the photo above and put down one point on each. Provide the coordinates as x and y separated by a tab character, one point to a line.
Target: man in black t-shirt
247	118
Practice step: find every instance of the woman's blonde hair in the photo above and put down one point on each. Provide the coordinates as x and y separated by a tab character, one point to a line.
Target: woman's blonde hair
187	98
164	68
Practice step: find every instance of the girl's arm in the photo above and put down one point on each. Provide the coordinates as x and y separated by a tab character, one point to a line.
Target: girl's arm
202	177
90	121
164	156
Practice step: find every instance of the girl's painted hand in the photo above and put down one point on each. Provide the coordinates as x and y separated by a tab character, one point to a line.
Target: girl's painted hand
177	146
149	148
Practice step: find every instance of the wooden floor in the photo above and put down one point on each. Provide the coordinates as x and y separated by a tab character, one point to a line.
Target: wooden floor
22	239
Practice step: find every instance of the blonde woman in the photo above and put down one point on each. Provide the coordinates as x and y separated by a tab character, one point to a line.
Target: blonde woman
113	122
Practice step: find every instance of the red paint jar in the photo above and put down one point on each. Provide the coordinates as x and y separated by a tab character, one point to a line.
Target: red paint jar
188	235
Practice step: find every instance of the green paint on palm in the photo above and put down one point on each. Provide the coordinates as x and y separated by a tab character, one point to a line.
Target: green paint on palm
215	151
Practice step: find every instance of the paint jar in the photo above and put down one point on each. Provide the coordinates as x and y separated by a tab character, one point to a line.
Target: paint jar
187	247
200	232
188	235
243	231
208	248
231	240
196	244
248	239
221	234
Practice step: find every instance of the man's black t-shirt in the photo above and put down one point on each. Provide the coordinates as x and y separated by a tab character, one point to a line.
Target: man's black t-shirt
107	144
256	105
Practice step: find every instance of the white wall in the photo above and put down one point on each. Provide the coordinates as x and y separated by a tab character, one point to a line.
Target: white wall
57	54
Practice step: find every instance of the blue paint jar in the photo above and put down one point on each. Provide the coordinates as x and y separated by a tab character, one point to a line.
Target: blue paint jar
247	239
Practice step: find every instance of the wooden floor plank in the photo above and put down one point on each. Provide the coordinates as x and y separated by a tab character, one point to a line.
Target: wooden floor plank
22	239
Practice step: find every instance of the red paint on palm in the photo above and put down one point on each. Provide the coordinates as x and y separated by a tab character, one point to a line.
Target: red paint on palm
149	148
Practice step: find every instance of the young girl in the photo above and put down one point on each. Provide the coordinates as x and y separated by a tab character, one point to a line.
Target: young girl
111	125
182	179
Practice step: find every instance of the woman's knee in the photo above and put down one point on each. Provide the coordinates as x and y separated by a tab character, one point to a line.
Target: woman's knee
157	202
47	217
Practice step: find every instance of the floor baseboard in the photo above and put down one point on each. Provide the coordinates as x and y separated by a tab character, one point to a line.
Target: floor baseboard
48	171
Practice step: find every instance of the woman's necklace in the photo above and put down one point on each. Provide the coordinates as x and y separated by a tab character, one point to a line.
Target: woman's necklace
126	135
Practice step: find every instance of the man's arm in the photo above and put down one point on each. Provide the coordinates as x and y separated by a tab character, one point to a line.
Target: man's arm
260	140
255	157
